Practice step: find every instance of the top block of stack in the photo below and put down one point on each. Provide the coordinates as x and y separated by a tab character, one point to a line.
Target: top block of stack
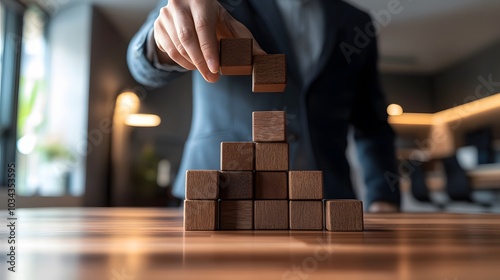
269	126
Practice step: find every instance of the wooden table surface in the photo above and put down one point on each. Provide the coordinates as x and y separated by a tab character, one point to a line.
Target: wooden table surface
142	243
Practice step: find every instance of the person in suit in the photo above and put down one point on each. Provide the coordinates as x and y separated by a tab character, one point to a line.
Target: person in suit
332	85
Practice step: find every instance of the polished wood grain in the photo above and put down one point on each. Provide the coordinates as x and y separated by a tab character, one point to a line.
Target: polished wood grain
151	244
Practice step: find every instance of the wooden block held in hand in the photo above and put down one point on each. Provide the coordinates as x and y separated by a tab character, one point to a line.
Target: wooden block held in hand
271	185
271	156
269	126
236	56
271	214
200	215
305	185
237	156
269	73
202	184
236	185
236	214
344	215
306	214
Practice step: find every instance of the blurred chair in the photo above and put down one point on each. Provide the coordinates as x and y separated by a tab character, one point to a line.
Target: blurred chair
458	185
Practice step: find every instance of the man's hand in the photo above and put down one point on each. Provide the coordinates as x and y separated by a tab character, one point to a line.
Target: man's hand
187	32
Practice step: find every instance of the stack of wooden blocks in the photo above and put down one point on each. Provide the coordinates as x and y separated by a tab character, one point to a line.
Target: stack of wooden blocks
255	189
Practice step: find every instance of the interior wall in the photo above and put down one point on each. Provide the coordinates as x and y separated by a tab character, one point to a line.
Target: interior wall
475	77
413	92
108	77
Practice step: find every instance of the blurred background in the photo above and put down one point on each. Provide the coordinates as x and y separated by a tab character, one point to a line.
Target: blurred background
83	133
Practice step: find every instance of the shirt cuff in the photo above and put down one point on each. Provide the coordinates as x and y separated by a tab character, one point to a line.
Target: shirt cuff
153	56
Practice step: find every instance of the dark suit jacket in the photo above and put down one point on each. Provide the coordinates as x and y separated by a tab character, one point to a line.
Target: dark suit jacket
344	90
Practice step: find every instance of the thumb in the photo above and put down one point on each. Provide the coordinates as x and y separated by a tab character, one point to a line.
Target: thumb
228	27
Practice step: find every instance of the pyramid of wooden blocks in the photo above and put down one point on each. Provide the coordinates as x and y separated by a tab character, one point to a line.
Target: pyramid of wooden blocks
256	190
268	71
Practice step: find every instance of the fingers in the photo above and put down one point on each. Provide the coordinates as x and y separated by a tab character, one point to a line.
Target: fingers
189	44
205	26
188	32
165	43
228	27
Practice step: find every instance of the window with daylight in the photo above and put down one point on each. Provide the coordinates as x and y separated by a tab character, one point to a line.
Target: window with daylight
47	163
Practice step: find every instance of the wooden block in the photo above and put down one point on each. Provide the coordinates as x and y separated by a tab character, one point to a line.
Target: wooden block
236	185
269	73
236	56
344	215
271	214
269	126
305	185
237	156
271	185
200	215
271	156
202	184
236	214
306	214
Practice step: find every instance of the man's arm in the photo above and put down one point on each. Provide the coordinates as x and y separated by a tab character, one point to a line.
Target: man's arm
374	136
186	32
141	67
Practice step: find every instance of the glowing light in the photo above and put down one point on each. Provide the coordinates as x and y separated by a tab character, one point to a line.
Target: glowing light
142	120
26	144
394	110
127	103
412	119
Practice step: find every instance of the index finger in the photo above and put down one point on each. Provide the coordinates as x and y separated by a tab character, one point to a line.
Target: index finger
207	38
186	33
